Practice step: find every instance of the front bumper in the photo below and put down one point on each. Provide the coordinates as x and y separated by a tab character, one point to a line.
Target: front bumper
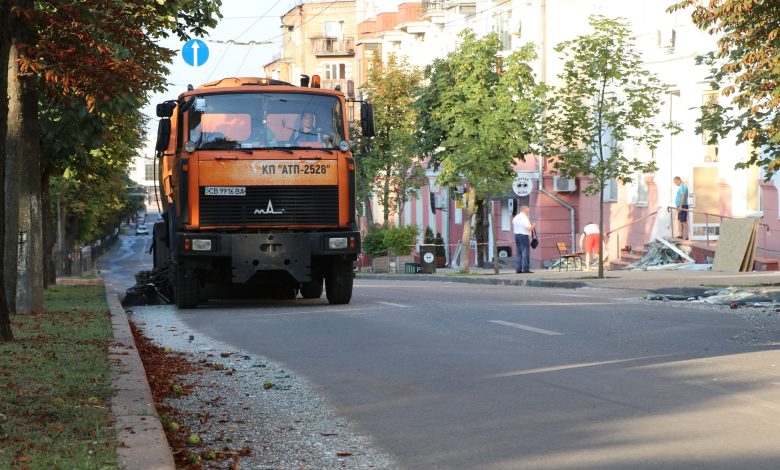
250	253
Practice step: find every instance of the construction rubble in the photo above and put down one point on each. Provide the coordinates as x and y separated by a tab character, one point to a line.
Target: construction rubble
570	264
731	296
665	255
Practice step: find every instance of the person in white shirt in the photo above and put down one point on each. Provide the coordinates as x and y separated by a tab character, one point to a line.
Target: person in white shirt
522	227
589	242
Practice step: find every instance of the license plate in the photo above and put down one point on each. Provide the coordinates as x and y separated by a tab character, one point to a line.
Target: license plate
225	190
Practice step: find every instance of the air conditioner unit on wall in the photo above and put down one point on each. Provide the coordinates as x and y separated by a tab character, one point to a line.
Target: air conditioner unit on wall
563	185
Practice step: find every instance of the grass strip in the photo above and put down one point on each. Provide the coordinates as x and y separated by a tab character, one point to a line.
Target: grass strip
55	385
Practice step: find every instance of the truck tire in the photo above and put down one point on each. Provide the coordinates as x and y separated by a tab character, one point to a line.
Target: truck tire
338	282
312	289
186	288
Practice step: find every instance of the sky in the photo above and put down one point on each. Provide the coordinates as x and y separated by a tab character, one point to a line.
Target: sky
242	21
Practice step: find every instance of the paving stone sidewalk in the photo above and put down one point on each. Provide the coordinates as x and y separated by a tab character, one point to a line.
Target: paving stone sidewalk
640	282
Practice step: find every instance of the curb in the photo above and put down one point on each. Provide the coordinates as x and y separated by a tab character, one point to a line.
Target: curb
143	445
476	280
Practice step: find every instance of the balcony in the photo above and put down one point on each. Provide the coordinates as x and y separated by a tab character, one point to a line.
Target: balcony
346	86
432	6
330	47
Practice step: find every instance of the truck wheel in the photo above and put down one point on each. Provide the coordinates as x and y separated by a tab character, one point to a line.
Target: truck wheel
312	289
338	282
186	288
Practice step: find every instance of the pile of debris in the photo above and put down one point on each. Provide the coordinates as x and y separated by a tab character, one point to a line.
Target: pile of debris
148	289
732	296
665	255
568	264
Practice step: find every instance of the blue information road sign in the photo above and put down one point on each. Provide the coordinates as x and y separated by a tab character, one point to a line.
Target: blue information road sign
195	52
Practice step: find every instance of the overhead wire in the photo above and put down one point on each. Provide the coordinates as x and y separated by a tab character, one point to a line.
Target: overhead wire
273	38
239	36
465	17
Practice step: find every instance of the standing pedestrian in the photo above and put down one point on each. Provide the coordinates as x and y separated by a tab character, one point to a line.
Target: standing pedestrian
589	242
681	201
522	226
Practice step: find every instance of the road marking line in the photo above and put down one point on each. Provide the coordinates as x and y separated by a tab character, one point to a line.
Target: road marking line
303	311
395	305
556	304
526	327
395	286
569	295
575	366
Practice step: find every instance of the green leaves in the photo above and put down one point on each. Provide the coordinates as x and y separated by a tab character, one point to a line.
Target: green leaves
482	114
606	101
390	168
746	67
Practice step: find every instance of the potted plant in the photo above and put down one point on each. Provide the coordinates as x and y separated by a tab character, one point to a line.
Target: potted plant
428	238
374	246
401	241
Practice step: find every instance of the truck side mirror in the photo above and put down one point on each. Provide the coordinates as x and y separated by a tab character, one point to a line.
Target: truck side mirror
165	109
163	135
367	120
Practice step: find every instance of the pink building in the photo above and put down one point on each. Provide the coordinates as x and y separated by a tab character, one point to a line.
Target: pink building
633	214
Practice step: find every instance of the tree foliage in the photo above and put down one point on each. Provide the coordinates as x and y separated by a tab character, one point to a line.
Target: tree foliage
90	64
389	168
481	116
746	68
606	100
97	49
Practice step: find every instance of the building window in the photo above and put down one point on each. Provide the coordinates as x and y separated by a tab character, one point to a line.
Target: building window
149	172
335	71
638	190
666	39
611	191
333	29
468	11
501	22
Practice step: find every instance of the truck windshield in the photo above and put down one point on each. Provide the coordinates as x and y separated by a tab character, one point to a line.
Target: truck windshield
266	120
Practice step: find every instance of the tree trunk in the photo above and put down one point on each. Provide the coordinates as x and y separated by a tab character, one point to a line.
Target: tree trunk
386	196
480	234
49	218
601	233
369	213
493	228
6	334
71	252
29	288
466	239
14	148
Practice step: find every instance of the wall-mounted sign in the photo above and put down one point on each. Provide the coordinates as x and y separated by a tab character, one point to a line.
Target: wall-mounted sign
523	185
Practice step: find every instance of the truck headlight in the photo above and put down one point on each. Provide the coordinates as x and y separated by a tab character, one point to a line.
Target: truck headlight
201	244
337	243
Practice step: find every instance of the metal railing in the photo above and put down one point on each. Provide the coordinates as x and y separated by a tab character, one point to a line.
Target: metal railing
617	237
720	217
333	46
432	5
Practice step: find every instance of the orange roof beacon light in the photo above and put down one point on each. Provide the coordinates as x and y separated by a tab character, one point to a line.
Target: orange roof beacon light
315	81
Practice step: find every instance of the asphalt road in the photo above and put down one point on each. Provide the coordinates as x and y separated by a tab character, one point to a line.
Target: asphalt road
471	376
